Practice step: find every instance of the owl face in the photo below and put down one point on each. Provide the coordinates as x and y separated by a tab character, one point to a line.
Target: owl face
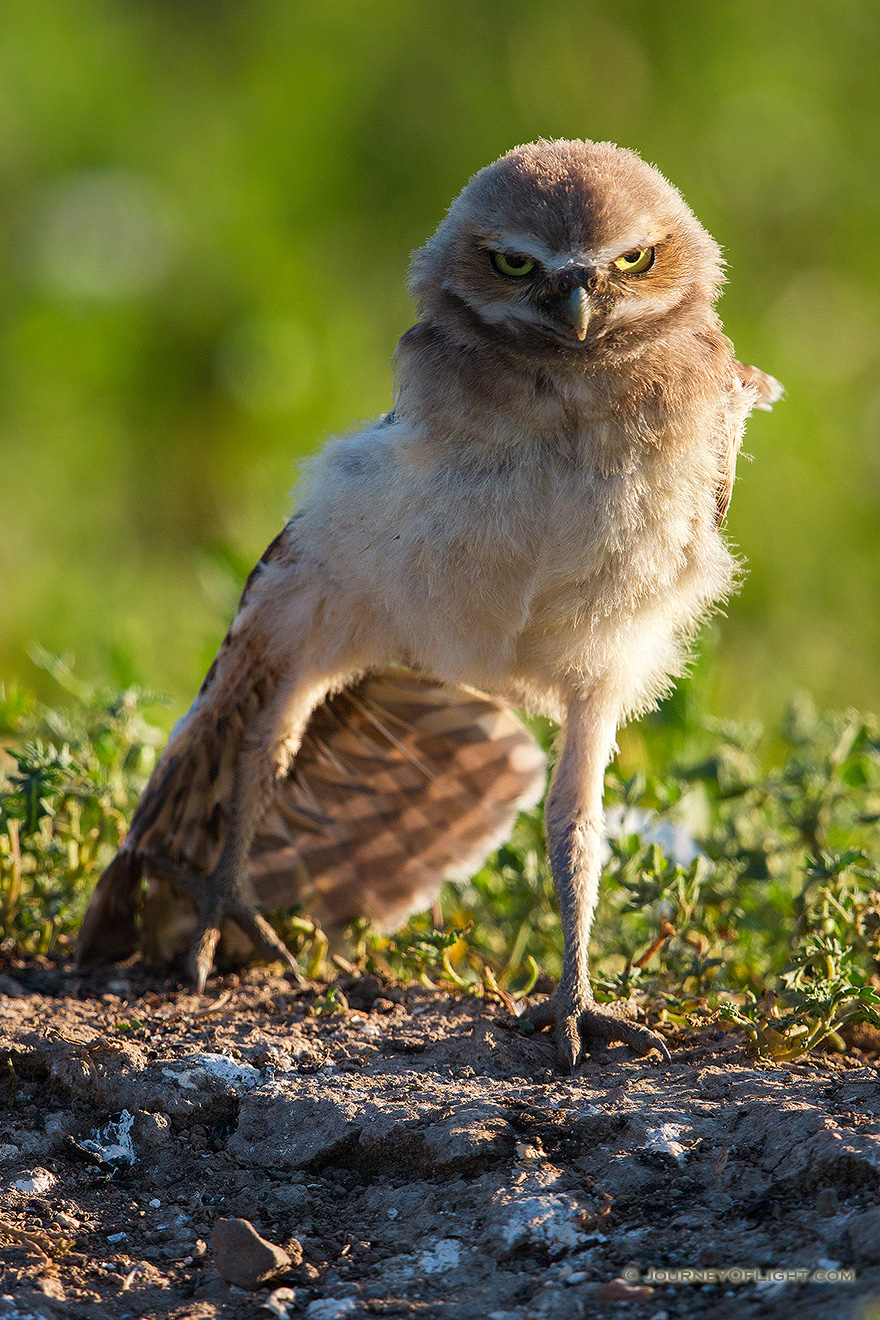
559	246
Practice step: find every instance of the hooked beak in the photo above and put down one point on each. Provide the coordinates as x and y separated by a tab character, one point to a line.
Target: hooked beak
577	311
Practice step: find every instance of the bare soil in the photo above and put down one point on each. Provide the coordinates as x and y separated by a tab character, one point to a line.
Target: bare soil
415	1154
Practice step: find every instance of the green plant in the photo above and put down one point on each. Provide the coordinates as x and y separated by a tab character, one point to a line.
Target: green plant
72	775
769	919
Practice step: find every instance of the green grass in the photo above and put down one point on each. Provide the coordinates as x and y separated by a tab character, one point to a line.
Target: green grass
774	926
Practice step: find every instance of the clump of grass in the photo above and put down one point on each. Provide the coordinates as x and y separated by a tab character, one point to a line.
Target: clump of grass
743	884
774	918
69	781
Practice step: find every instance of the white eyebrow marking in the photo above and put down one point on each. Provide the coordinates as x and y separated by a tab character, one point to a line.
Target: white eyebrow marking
529	245
509	314
634	241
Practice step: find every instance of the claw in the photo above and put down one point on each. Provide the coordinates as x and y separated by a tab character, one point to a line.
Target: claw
269	944
217	900
201	957
575	1022
607	1026
568	1043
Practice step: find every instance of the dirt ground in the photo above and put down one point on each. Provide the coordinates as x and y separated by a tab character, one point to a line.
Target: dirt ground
413	1155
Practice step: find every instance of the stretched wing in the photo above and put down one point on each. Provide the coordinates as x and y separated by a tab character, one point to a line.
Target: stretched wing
765	392
400	782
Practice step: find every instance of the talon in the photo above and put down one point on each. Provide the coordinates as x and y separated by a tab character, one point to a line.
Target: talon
218	898
201	957
268	943
607	1026
577	1022
568	1043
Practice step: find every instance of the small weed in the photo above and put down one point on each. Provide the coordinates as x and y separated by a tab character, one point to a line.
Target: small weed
72	777
330	1002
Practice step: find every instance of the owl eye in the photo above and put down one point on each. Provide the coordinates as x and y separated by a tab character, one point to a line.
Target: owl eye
636	262
512	263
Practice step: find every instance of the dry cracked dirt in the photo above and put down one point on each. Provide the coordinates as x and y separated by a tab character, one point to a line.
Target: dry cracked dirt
413	1155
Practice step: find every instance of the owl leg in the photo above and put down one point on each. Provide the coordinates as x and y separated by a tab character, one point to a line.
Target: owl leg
226	893
574	832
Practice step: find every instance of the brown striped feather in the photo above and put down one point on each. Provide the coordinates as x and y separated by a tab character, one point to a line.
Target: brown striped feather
400	783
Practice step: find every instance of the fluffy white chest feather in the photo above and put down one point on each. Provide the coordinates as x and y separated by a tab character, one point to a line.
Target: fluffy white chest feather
513	568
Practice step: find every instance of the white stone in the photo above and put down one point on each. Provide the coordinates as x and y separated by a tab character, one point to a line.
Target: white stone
114	1142
200	1069
663	1140
331	1308
552	1221
444	1255
38	1182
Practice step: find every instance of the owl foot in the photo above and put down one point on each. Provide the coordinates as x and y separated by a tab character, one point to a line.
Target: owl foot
218	898
577	1019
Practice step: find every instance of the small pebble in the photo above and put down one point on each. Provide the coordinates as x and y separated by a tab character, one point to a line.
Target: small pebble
618	1290
242	1257
526	1152
279	1302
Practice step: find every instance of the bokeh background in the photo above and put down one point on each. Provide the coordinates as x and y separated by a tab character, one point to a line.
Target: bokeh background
206	212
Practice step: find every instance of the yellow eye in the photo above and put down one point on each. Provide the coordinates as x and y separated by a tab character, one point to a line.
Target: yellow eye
635	263
512	263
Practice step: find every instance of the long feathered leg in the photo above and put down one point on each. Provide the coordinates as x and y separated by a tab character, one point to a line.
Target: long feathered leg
574	831
227	891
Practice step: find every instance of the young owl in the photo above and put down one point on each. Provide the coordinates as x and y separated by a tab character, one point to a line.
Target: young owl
535	524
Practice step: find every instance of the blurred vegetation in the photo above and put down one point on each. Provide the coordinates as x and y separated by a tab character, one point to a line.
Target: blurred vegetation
207	213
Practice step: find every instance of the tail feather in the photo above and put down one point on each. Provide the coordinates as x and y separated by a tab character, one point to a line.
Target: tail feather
109	931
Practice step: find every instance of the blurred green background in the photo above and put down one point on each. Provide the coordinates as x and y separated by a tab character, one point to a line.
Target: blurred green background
206	212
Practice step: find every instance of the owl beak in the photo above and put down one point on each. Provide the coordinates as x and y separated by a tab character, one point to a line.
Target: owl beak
577	311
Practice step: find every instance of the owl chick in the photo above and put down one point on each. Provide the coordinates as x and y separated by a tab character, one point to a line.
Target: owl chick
536	524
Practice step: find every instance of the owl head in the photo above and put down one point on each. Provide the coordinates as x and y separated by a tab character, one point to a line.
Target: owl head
563	245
